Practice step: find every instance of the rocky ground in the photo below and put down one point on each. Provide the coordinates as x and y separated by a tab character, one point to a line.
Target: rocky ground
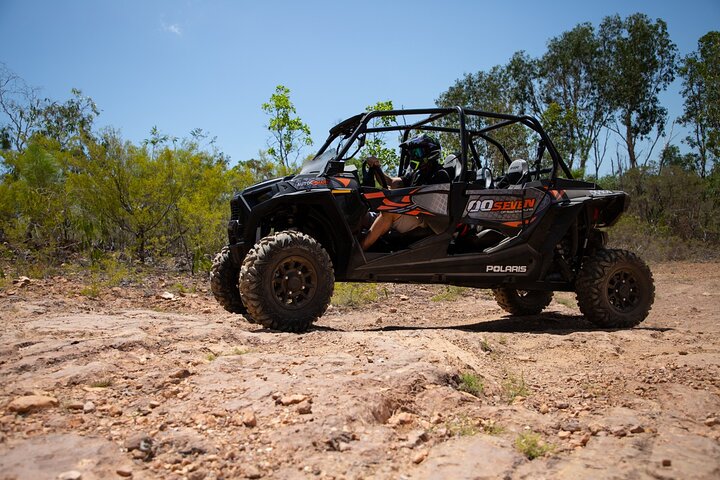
156	381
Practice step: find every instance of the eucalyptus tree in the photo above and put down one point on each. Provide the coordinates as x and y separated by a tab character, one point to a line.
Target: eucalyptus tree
700	72
289	134
637	63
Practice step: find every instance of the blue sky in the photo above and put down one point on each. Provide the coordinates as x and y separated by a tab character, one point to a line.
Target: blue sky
211	64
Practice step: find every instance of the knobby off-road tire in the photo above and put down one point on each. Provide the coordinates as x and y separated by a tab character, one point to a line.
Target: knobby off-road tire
522	302
224	276
615	289
286	281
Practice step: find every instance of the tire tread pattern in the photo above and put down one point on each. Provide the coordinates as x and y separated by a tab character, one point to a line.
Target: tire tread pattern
254	293
592	295
532	304
224	277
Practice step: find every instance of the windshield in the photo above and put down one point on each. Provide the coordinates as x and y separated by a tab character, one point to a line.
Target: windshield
317	164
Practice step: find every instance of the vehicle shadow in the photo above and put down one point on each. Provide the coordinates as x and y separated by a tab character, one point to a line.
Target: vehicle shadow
549	322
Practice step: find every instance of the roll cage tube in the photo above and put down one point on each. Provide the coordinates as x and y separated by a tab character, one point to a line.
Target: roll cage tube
357	125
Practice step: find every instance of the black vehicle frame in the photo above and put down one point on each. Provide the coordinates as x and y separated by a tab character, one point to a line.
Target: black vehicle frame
526	232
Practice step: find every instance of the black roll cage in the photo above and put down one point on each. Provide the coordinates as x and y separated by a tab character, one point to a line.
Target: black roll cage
357	125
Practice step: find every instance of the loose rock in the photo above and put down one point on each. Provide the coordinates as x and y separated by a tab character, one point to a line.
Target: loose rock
124	471
252	472
249	419
22	282
32	403
70	475
292	399
182	373
77	405
304	408
402	418
420	456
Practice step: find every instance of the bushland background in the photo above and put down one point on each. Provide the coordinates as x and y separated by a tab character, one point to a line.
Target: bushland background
73	196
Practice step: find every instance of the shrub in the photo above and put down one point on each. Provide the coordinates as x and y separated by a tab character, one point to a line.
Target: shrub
471	383
532	445
354	294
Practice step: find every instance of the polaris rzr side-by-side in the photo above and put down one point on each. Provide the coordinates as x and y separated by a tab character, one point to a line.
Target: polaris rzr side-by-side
523	228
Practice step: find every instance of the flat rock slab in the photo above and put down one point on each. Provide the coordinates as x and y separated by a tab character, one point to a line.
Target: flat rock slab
482	457
51	455
32	403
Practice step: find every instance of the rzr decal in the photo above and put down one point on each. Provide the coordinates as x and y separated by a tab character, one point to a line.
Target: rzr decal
308	183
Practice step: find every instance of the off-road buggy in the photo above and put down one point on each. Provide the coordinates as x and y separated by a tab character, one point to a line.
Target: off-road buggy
525	230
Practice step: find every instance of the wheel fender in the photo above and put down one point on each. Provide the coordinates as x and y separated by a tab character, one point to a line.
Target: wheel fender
330	218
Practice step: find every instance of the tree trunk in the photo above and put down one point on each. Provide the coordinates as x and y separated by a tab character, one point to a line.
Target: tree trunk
630	141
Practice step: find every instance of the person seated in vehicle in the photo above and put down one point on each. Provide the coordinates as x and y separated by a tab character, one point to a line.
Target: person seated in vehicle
424	154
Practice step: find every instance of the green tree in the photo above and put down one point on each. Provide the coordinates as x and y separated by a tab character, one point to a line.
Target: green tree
670	156
26	114
36	209
288	133
576	110
196	223
67	122
637	62
21	106
489	91
700	72
375	144
128	188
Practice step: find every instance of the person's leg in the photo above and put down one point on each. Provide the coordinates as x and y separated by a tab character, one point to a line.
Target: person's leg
380	227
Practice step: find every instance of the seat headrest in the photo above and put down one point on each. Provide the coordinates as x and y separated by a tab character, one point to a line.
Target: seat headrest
518	166
452	165
516	172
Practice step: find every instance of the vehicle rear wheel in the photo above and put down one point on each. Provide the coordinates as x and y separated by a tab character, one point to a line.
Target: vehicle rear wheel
522	302
286	281
615	289
224	277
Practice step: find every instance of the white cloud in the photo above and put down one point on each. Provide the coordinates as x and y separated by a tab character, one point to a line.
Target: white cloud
172	28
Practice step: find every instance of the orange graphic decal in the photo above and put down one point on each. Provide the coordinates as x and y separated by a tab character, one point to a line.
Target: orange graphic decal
374	195
387	201
513	205
344	181
519	223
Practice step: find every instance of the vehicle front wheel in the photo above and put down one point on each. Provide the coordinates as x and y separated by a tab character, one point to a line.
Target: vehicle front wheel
615	289
224	282
522	302
286	281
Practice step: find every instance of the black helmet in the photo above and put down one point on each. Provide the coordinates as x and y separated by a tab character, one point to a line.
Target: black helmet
421	150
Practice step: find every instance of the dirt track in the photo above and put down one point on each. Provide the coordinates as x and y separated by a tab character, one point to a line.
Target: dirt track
158	388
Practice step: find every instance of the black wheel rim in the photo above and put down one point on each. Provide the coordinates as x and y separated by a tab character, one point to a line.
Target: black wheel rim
623	291
294	282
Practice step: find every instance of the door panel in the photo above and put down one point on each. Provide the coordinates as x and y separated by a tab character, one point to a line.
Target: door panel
426	200
504	209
